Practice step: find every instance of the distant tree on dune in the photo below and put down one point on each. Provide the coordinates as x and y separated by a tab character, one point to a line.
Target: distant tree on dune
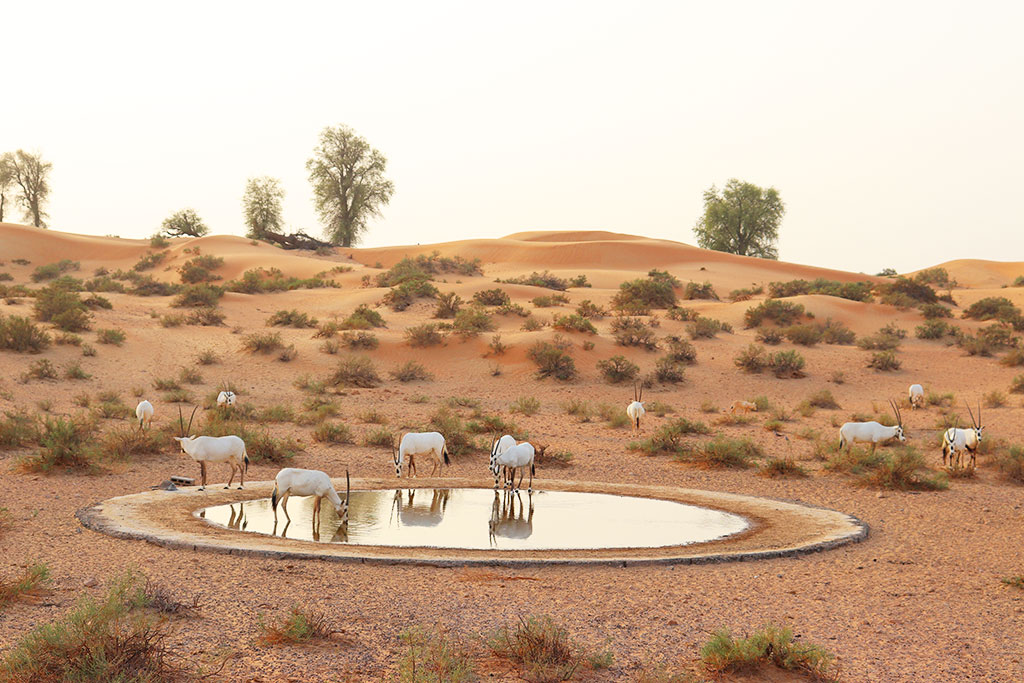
185	223
30	177
6	181
742	219
348	183
261	205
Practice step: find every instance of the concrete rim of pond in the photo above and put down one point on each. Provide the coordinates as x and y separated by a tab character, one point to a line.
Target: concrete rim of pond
777	528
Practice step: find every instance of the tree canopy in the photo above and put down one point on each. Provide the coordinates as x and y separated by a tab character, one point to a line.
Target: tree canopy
29	174
6	181
348	181
261	206
741	219
184	223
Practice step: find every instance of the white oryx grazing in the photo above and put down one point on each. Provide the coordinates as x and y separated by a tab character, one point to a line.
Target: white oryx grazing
204	449
871	432
226	398
518	457
500	446
635	410
916	396
144	413
742	407
429	444
955	441
294	481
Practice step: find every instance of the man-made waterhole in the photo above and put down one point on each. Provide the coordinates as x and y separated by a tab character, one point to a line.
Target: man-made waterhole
481	519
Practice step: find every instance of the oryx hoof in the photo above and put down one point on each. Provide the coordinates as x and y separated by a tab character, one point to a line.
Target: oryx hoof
201	488
239	488
227	487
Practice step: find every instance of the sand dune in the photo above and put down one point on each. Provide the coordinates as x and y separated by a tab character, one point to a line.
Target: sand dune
982	273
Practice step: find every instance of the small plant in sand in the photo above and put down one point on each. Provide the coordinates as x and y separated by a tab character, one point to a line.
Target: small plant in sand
332	432
355	371
781	467
422	336
1014	581
752	359
573	323
432	655
17	430
40	369
720	452
292	318
552	359
670	437
492	297
198	296
542	649
381	437
22	335
770	646
411	371
472	321
782	313
525	405
1010	463
263	342
706	328
25	587
65	443
823	399
629	331
108	336
884	361
618	369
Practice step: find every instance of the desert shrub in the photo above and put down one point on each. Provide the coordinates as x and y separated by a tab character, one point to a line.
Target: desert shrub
589	310
721	452
781	467
532	324
401	297
199	269
95	301
769	335
207	358
994	399
552	359
424	335
411	371
545	279
5	276
103	283
1014	358
540	647
147	286
125	443
424	266
448	304
66	443
106	640
53	270
301	625
159	242
935	311
61	307
905	293
382	437
669	437
27	586
746	293
74	371
752	359
40	369
292	318
1017	385
207	316
277	413
681	314
835	332
472	321
782	313
903	469
332	432
355	371
263	342
787	364
573	323
885	361
618	369
357	340
549	300
769	646
995	308
933	329
680	350
432	655
805	335
668	371
22	335
149	261
823	399
264	280
883	340
492	297
629	331
172	320
17	430
656	291
363	318
706	328
525	405
1011	464
699	291
109	336
456	437
200	295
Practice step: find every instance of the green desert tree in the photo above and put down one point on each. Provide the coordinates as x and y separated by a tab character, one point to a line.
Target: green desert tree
349	185
185	223
741	219
30	177
261	205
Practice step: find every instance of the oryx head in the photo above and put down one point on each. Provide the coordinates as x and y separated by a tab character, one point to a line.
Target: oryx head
396	456
186	435
899	421
494	450
977	423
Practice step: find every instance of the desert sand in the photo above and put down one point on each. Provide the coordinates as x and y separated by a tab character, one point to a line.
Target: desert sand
919	600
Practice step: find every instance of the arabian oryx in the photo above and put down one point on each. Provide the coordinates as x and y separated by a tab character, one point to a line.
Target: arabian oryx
429	444
519	457
916	396
204	449
294	481
226	399
871	432
635	410
955	441
144	413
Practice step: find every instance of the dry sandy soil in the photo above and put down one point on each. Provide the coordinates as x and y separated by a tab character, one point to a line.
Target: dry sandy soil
920	600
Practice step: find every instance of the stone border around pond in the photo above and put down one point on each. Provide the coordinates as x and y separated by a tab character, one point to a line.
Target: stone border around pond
777	528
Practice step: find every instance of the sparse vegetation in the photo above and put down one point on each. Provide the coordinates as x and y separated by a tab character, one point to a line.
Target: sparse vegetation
773	646
64	443
884	361
21	335
545	279
656	291
432	656
332	432
300	625
355	371
109	336
411	371
706	328
448	304
782	313
525	405
552	359
424	335
618	369
573	323
292	318
472	321
703	290
629	331
540	647
263	342
27	586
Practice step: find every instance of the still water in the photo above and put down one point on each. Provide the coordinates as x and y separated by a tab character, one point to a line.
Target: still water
481	519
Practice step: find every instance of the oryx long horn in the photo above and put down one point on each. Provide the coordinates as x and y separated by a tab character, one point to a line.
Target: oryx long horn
979	414
190	417
968	405
348	488
641	392
181	422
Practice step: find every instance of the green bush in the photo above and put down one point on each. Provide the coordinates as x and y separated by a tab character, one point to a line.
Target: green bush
835	332
61	307
933	329
699	291
782	313
854	291
292	318
706	328
66	443
995	308
552	359
355	371
787	364
424	335
196	296
769	335
886	361
359	340
411	371
363	318
492	297
431	655
805	335
263	342
669	437
633	332
573	323
199	269
657	291
721	452
935	311
332	432
109	336
53	270
667	370
22	335
448	304
545	279
264	280
752	359
589	310
40	369
549	300
472	321
401	297
526	405
906	293
618	369
769	646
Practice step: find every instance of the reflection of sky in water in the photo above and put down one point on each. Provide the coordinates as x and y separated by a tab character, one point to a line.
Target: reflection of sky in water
478	519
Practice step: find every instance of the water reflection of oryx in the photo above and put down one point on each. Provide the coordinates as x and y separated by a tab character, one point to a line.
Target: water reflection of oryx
506	521
411	513
237	519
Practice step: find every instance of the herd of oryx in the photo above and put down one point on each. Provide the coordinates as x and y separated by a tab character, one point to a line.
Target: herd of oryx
507	455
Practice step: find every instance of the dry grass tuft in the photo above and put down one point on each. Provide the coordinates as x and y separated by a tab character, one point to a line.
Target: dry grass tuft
771	646
301	625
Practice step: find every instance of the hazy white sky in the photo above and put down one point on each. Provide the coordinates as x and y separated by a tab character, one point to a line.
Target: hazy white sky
892	130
